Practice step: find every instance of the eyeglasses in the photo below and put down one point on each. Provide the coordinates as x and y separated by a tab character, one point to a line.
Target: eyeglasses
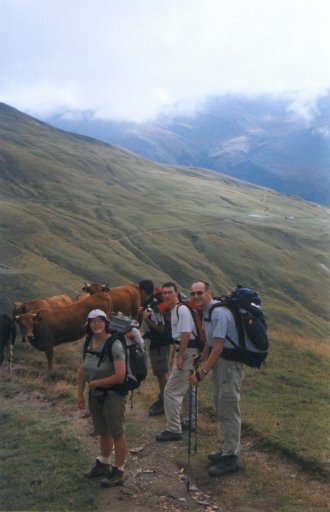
199	292
97	321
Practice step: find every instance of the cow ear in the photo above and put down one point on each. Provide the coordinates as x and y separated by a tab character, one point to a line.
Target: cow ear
37	316
106	288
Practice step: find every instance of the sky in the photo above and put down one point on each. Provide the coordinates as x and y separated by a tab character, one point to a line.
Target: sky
134	59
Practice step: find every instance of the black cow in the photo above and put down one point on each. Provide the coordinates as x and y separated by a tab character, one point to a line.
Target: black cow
7	338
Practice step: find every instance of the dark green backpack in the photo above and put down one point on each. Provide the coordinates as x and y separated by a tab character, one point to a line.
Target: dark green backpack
245	305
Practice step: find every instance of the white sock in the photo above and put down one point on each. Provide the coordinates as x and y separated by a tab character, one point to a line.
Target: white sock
104	460
121	468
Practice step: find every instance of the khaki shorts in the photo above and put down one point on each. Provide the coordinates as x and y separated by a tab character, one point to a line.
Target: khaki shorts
159	358
108	413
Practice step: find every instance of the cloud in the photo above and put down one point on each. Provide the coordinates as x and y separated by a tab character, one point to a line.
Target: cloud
304	103
132	59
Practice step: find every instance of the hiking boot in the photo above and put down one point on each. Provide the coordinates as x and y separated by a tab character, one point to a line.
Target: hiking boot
99	469
115	478
227	464
169	436
214	457
157	408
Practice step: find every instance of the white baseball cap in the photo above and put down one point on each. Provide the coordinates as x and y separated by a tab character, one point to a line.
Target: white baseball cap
95	313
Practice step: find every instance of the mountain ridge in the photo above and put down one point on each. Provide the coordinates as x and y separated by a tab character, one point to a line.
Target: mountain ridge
282	150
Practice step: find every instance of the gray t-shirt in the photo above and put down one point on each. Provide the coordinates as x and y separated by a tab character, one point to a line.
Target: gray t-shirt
222	324
106	368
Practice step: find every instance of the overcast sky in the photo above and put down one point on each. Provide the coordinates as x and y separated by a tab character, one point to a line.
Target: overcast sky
130	59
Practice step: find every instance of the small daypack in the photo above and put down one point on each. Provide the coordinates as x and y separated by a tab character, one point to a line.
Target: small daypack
245	305
160	339
199	334
136	360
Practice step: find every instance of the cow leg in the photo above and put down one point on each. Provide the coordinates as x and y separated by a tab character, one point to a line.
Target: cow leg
49	355
10	356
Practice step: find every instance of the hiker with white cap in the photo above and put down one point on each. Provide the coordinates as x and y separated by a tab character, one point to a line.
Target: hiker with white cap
107	407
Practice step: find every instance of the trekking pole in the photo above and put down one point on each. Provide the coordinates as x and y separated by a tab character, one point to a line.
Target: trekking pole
195	365
189	435
196	418
191	388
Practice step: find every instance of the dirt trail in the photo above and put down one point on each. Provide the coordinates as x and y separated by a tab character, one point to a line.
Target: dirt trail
155	482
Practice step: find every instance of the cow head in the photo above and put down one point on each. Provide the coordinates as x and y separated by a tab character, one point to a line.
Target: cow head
18	308
26	322
95	288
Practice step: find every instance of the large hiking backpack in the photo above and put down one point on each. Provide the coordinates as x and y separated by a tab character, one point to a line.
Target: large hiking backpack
136	360
245	305
199	334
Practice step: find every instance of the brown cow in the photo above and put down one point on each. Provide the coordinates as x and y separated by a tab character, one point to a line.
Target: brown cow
50	327
55	301
80	296
125	298
95	287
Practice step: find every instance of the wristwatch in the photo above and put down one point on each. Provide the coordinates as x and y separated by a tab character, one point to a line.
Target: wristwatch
202	372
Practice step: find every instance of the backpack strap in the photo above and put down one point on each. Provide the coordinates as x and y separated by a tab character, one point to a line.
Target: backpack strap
106	350
199	337
177	314
87	341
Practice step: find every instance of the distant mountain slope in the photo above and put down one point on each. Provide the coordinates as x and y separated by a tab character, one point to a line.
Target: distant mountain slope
75	209
259	140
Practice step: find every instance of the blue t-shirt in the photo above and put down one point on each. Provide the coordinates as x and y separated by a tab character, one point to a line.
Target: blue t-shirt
222	324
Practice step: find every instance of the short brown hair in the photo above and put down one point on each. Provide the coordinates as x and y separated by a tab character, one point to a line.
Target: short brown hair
170	284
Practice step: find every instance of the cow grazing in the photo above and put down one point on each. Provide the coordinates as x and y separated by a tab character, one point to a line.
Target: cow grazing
50	327
41	303
7	338
125	298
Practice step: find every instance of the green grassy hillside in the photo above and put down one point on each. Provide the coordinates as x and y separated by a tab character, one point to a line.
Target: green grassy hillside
73	209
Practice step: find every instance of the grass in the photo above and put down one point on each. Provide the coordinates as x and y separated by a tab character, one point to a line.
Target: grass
284	409
42	457
74	209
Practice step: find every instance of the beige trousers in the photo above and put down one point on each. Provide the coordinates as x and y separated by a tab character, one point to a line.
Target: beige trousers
226	384
177	394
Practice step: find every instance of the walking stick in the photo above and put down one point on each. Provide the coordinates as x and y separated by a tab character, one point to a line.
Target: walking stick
195	365
189	434
196	417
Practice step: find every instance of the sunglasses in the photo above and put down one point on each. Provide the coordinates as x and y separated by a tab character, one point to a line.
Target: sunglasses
199	292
